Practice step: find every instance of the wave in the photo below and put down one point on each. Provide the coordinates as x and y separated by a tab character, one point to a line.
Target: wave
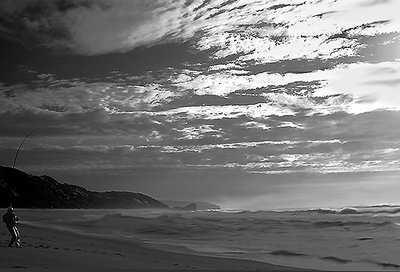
351	223
386	265
332	211
345	261
336	259
355	210
165	225
286	253
197	225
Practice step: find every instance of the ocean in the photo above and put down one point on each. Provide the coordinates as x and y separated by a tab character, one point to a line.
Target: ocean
353	238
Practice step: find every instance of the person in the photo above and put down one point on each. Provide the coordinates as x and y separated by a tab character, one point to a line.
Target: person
11	221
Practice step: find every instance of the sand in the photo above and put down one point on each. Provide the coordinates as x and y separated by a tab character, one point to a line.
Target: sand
54	250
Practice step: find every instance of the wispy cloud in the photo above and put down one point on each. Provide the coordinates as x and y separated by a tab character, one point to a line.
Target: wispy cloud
69	96
271	33
292	89
372	86
200	132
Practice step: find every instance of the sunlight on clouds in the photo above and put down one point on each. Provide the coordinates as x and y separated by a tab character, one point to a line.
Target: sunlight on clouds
200	132
359	12
330	17
259	30
243	145
321	163
224	83
260	110
151	95
304	30
259	91
292	125
302	47
373	86
256	125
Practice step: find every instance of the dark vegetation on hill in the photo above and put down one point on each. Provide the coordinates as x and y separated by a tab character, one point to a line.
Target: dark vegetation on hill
23	190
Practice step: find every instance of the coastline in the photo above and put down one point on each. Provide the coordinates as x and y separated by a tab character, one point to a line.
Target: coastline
46	249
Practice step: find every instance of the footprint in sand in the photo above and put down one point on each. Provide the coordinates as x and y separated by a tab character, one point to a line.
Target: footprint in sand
41	246
19	266
365	238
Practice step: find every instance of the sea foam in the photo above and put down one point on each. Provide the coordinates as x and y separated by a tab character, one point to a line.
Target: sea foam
351	238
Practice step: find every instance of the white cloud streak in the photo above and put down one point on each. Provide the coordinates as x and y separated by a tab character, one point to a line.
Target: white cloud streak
363	87
373	86
240	145
245	27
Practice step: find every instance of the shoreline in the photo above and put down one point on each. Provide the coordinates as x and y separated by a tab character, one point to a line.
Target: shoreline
56	250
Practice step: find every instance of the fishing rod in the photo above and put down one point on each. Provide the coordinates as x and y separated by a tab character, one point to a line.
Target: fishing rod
20	145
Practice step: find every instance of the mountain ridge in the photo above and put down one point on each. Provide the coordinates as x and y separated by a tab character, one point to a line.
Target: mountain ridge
23	190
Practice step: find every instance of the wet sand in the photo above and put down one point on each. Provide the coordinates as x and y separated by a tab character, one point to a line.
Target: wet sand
54	250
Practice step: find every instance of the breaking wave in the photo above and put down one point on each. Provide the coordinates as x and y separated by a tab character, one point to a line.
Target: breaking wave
351	223
360	210
285	237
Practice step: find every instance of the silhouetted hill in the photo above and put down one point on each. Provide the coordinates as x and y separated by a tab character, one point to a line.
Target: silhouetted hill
189	207
28	191
199	205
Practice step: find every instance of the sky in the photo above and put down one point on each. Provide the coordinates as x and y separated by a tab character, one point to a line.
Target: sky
248	104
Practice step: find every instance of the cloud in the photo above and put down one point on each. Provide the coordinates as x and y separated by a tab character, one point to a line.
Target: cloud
224	83
322	163
256	125
372	86
219	94
260	110
73	96
200	132
95	27
292	125
354	88
311	29
242	145
259	30
124	25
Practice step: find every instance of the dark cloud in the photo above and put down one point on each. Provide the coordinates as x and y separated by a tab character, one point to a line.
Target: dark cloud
20	122
38	23
85	27
138	62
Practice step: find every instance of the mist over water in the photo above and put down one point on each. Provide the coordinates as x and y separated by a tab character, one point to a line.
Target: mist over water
354	238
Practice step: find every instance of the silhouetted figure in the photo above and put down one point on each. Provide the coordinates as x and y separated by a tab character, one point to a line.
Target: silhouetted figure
11	221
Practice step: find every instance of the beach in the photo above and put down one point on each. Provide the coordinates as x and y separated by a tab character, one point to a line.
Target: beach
49	249
342	239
